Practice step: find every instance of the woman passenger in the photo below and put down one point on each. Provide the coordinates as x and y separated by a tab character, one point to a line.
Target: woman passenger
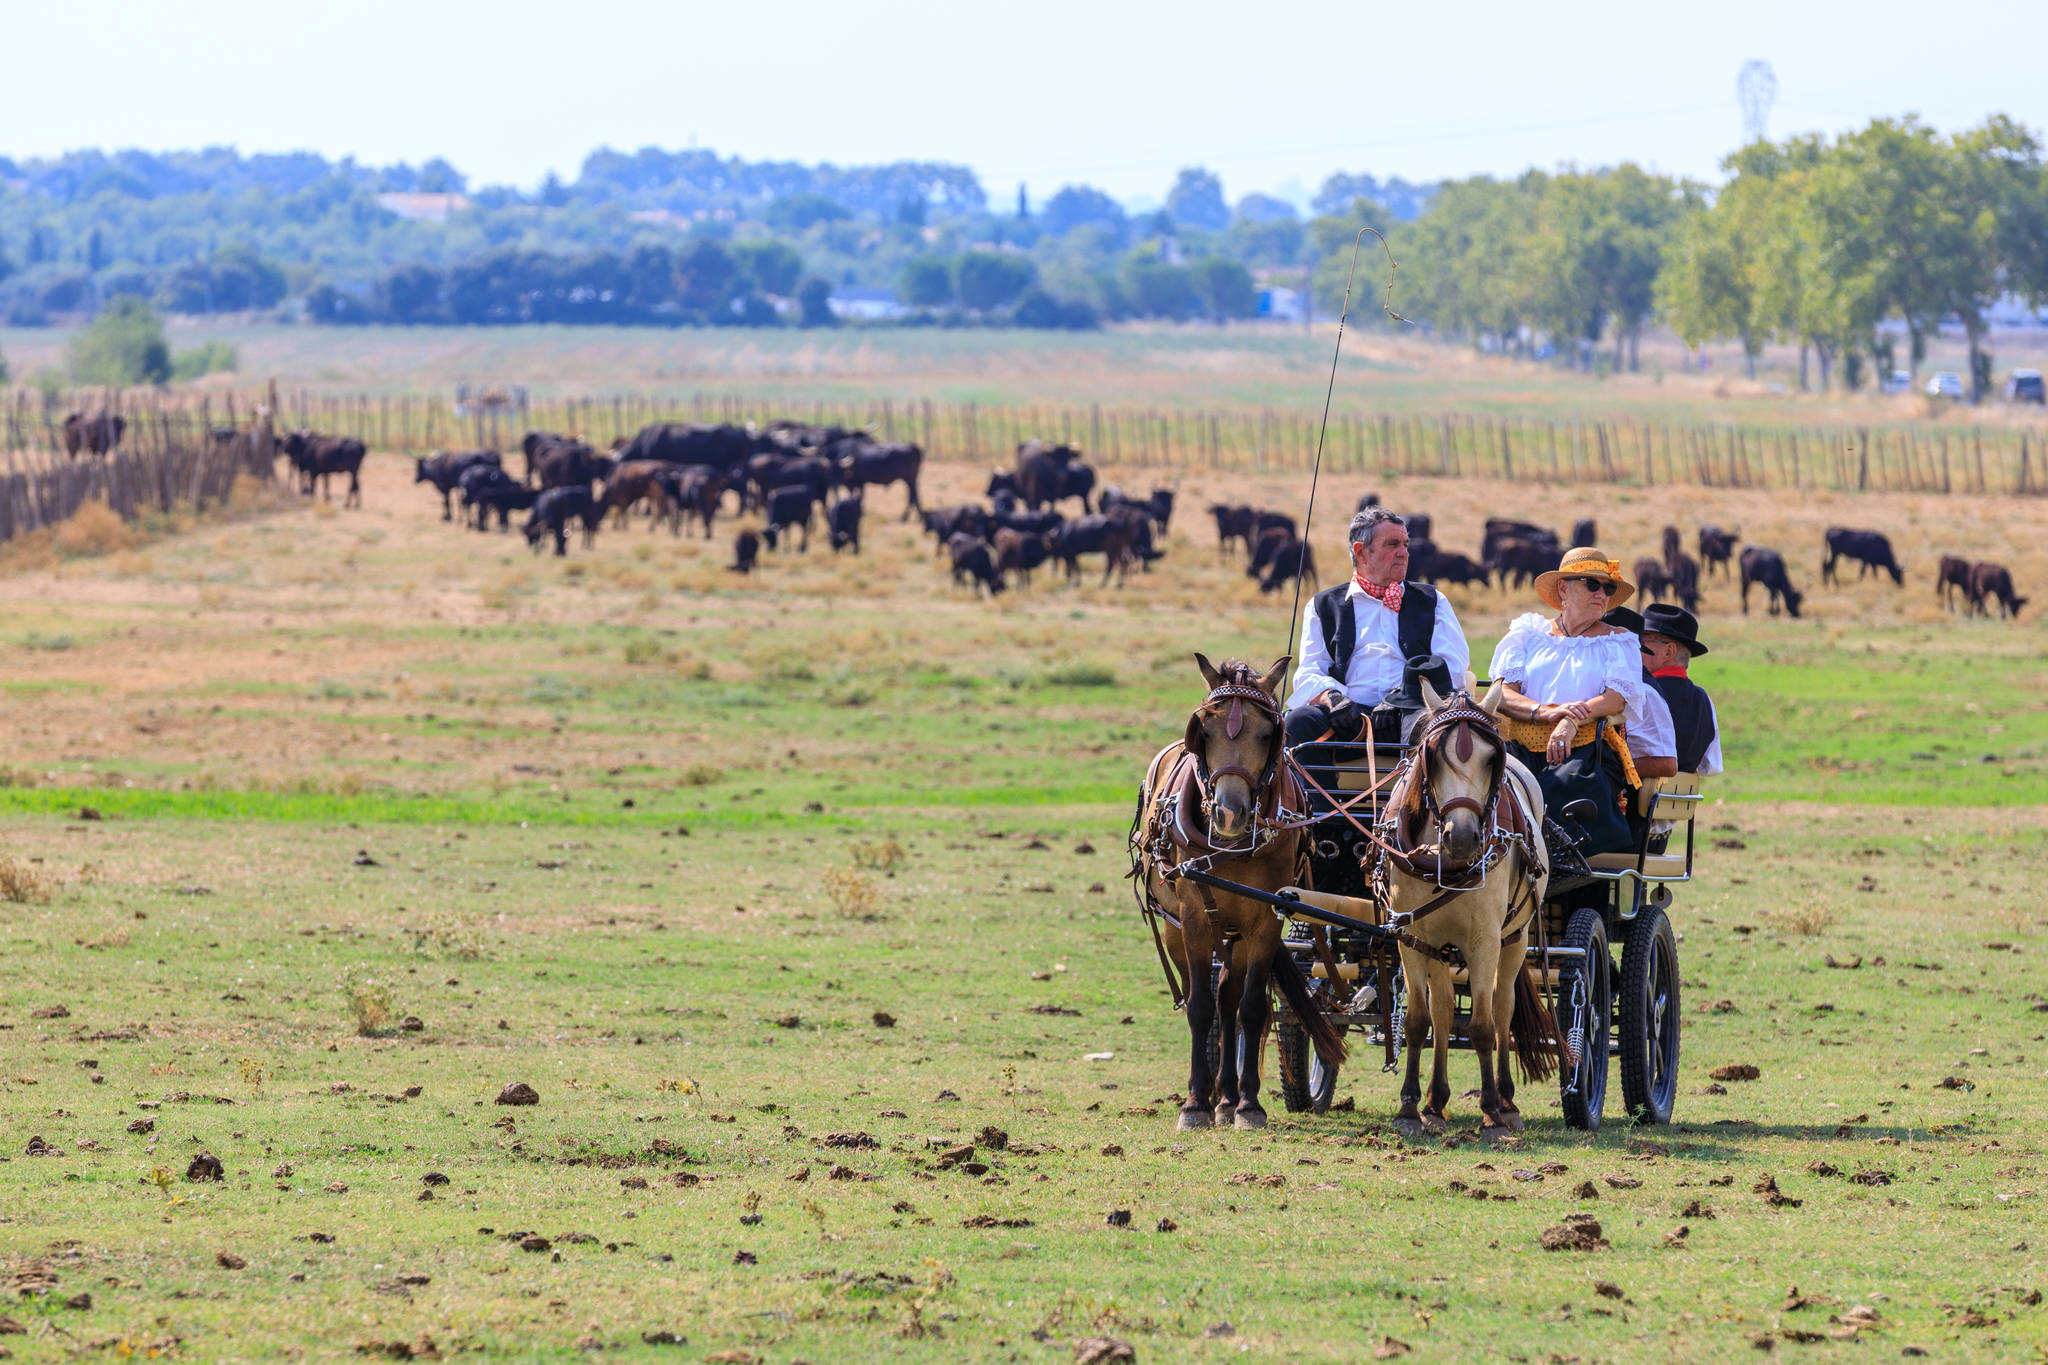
1563	674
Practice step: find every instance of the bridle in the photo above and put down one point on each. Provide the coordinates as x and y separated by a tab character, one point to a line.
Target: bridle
1237	695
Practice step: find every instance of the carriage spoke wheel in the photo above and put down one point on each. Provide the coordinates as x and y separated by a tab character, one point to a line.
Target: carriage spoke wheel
1585	1004
1649	1018
1307	1083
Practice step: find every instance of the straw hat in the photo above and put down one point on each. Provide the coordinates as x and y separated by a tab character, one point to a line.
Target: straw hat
1585	562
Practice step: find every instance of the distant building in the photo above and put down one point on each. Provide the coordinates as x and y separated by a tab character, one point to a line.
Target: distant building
865	305
426	208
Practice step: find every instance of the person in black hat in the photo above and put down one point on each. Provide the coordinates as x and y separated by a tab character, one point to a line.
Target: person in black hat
1652	736
1671	641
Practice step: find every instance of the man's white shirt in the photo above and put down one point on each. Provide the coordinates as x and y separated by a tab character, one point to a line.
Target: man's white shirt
1376	659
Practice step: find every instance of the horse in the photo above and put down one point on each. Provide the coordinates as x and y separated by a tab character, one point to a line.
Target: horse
1461	866
1222	794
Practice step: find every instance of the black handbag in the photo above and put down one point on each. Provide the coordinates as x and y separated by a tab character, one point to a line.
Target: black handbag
1583	797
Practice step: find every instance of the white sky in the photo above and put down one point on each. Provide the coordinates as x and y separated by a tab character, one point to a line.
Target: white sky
1116	95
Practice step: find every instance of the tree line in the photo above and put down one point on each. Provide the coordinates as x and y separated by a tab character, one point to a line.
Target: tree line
1830	244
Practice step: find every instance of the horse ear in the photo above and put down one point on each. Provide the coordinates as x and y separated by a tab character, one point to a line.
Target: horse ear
1490	703
1431	702
1209	673
1271	682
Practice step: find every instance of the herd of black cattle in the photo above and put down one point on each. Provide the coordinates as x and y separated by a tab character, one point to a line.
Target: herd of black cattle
791	474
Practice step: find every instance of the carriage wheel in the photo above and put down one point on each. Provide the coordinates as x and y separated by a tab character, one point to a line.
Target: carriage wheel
1649	1018
1585	1004
1307	1082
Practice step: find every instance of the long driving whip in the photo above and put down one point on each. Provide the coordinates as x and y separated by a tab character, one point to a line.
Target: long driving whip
1309	517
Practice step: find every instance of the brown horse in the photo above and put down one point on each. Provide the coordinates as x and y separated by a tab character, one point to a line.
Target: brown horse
1222	796
1462	874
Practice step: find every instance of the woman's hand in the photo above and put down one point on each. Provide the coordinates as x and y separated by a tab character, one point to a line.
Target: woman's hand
1561	737
1577	712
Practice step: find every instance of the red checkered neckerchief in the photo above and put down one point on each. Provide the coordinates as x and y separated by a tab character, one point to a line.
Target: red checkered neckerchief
1387	595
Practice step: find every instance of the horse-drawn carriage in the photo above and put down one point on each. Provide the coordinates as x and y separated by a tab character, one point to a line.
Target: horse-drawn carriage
1600	948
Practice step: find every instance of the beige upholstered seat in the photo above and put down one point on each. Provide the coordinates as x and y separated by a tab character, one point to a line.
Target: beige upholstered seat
1669	800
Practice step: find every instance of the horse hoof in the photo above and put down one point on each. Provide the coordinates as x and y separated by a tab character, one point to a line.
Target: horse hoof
1495	1133
1192	1118
1513	1119
1226	1114
1251	1118
1408	1127
1434	1123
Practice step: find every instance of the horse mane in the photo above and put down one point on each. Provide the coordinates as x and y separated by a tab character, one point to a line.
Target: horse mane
1238	673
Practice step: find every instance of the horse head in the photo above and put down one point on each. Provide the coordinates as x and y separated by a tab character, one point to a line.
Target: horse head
1466	761
1235	738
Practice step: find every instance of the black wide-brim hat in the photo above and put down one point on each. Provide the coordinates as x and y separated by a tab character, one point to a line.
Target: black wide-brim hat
1676	622
1434	667
1625	617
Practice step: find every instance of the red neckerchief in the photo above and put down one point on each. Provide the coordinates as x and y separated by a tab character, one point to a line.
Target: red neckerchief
1674	671
1388	596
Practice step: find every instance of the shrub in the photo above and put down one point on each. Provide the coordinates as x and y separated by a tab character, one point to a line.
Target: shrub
209	357
1082	675
124	345
882	856
95	529
369	1002
852	892
23	883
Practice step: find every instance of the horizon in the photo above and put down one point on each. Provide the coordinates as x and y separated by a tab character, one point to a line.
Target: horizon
1610	96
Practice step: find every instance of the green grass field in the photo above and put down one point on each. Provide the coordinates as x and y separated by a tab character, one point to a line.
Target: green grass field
667	845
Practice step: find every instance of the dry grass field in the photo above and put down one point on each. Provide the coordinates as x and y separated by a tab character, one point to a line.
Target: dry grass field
775	887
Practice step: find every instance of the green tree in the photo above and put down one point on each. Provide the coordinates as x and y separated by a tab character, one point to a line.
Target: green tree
814	299
992	279
927	282
770	266
1157	289
710	278
3	367
1196	200
1225	289
124	345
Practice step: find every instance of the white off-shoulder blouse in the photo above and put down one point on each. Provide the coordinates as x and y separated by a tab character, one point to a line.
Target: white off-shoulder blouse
1555	669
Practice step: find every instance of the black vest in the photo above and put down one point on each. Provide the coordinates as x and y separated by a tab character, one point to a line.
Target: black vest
1416	629
1692	718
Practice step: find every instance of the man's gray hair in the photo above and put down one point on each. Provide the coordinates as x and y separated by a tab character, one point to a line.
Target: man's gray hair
1367	524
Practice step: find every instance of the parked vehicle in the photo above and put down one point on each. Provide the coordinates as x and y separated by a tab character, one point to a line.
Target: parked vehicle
2025	386
1897	381
1945	384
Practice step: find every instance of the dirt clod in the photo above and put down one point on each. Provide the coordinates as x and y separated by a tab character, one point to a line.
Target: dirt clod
518	1092
1104	1351
1736	1071
227	1260
1578	1232
205	1166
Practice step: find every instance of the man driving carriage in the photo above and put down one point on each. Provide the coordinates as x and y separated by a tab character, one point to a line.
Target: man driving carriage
1359	637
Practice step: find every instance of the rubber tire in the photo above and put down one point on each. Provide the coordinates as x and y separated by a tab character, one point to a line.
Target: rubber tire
1307	1083
1649	1019
1587	931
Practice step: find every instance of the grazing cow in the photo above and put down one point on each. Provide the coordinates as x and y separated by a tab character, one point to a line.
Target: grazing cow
97	432
1366	500
801	436
693	490
486	489
790	506
1263	522
947	522
1447	567
842	519
1045	474
973	562
1685	580
724	447
1158	507
633	482
1265	547
1094	534
1717	547
1653	580
1499	532
555	508
746	548
869	463
1419	524
320	458
1001	482
1232	523
1585	531
1766	569
1289	558
763	474
534	442
1019	552
1667	549
1522	560
1870	549
567	463
1140	523
444	470
1951	576
1989	581
1008	513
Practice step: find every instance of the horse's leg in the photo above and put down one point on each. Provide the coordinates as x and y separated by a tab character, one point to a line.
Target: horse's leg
1227	1080
1414	1027
1511	957
1254	1009
1198	945
1489	1028
1441	1008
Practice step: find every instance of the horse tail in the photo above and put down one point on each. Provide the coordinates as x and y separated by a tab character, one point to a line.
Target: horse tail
1534	1029
1329	1044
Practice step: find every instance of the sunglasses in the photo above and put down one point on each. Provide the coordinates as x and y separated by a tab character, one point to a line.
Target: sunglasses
1599	585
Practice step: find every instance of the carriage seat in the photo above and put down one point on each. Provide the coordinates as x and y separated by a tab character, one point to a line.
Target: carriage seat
1664	802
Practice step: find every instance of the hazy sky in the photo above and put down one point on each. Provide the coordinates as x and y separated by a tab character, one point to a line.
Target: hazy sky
1270	95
